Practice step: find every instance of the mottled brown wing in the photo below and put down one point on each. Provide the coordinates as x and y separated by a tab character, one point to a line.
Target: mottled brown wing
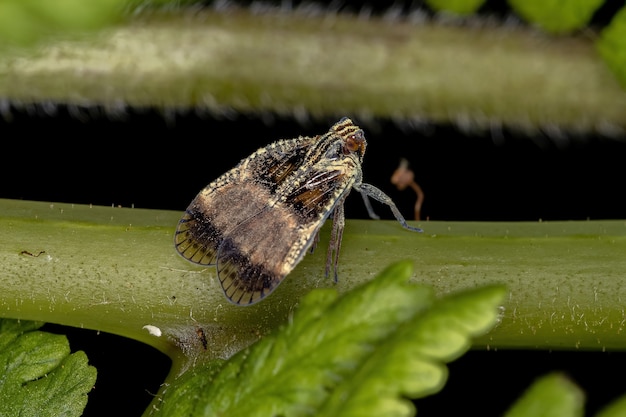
211	215
255	258
195	242
257	255
236	196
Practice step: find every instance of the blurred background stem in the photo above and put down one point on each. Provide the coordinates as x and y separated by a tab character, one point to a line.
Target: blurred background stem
293	63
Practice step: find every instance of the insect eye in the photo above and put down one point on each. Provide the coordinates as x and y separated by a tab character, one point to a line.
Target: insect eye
355	143
352	144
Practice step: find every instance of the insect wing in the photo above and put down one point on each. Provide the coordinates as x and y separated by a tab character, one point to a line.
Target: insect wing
257	255
209	216
234	198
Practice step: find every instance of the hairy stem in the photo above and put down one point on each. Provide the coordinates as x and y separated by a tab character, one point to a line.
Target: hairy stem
115	269
476	75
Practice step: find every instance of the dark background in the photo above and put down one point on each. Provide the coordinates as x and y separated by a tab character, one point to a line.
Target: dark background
150	162
146	159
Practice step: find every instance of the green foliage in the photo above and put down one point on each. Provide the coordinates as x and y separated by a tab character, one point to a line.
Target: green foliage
554	395
550	396
612	45
461	7
38	375
615	409
347	355
557	16
24	22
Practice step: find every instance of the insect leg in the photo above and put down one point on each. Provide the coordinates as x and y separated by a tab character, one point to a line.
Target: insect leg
376	194
316	240
368	206
336	235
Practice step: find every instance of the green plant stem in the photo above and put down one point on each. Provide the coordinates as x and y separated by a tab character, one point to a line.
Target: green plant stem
115	269
477	75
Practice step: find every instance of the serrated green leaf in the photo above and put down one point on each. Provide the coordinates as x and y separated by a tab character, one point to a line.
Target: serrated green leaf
444	333
616	408
411	362
295	368
462	7
557	16
38	375
182	397
360	345
12	329
553	395
612	45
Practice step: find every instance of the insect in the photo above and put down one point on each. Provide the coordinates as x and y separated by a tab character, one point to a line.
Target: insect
256	221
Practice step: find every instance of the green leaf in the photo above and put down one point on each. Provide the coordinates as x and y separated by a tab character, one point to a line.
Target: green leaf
411	361
616	408
338	354
23	22
612	45
557	16
550	396
38	375
462	7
